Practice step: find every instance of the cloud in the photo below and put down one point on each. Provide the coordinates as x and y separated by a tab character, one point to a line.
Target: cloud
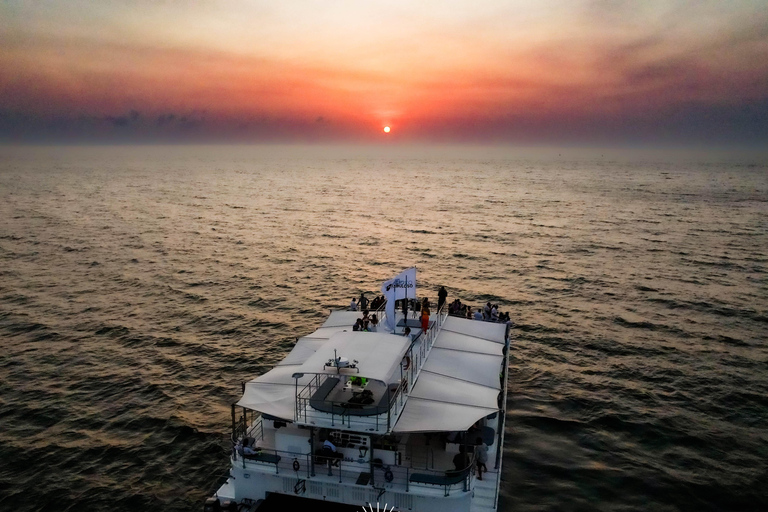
131	118
611	69
164	119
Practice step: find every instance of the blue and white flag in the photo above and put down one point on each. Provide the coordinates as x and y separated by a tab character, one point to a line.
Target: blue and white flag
403	286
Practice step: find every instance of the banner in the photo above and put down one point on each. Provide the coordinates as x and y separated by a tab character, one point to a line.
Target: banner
403	286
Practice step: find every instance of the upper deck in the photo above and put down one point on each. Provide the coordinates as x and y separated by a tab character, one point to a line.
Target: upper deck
375	382
370	389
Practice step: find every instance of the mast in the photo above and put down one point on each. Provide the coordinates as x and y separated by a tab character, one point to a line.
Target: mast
405	308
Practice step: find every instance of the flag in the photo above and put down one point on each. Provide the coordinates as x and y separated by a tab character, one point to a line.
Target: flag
402	286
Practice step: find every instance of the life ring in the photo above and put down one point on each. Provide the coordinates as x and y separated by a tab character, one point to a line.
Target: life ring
296	465
407	363
388	475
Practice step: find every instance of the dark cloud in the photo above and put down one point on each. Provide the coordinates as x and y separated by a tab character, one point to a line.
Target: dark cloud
164	119
681	122
117	121
131	118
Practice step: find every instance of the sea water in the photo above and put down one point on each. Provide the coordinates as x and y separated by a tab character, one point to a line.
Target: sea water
140	286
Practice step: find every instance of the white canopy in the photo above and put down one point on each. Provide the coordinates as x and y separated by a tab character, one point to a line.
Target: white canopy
274	393
459	383
378	355
422	415
343	319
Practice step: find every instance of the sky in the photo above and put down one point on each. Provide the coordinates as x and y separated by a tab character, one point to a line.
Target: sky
515	72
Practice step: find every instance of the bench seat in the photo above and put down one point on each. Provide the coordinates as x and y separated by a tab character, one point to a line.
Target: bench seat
449	478
269	458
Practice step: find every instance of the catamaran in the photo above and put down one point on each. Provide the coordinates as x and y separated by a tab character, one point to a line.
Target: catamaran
402	417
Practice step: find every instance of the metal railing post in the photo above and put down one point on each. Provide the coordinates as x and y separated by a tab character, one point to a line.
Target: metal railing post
234	424
312	450
389	412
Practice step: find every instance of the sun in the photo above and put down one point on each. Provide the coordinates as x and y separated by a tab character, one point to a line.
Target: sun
386	129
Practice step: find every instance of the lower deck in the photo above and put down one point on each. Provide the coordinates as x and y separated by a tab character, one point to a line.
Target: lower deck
414	471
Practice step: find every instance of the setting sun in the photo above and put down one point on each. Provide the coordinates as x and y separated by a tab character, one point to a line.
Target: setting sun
386	129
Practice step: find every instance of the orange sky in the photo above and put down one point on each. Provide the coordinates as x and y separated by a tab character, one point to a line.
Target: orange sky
506	71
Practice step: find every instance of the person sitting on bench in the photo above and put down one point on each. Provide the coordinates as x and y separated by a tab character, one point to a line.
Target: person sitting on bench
247	450
365	397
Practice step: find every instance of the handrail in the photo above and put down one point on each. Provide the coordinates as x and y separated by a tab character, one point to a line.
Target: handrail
340	411
502	417
348	471
242	425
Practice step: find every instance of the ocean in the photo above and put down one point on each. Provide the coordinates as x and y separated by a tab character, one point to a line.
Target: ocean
140	286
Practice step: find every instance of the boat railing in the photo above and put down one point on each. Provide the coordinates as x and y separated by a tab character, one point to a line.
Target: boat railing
340	414
449	481
248	424
380	311
257	429
300	466
423	345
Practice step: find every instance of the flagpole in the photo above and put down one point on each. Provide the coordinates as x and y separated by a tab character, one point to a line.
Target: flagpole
406	301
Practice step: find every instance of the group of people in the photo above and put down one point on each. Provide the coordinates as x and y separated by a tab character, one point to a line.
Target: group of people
366	323
363	303
488	313
456	308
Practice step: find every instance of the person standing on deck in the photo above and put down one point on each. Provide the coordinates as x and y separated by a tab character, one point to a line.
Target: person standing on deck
441	296
424	319
363	301
460	460
481	456
353	305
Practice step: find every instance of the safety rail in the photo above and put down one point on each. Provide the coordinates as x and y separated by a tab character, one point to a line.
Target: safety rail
380	420
422	345
352	472
249	422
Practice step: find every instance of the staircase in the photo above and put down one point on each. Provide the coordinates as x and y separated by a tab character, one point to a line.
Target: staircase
484	492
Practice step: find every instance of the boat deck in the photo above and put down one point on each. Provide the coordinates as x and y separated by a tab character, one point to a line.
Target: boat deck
379	452
422	453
